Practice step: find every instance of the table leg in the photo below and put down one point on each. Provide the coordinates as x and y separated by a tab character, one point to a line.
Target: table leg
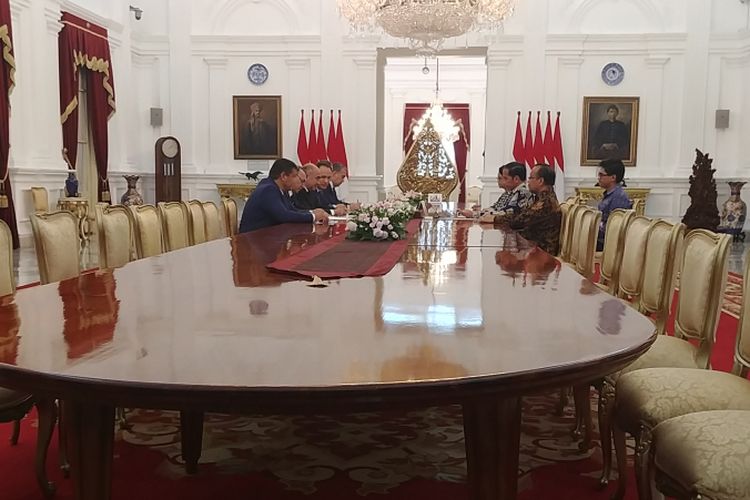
492	430
191	433
90	435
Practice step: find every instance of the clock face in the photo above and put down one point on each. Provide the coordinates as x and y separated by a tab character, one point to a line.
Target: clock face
170	148
257	74
612	74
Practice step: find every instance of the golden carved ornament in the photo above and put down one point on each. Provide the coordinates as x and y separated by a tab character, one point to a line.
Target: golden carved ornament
427	167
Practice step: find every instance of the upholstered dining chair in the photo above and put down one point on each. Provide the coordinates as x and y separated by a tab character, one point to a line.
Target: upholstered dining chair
614	247
702	454
39	199
586	247
569	251
176	227
230	216
654	298
212	220
14	405
565	208
115	229
197	221
473	195
148	237
633	258
703	277
57	245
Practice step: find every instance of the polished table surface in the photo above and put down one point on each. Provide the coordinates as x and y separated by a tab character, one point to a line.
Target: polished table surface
470	312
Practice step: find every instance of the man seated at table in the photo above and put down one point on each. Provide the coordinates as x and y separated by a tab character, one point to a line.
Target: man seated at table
270	203
538	222
512	178
308	198
328	198
611	174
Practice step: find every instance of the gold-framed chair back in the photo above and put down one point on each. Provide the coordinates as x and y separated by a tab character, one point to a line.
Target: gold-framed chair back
230	216
473	195
39	199
633	257
703	277
565	212
614	246
587	242
212	220
57	245
197	221
742	349
176	226
574	232
660	270
148	237
7	279
115	229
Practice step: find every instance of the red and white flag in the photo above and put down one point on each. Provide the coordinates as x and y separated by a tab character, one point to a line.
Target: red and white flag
312	141
548	149
519	153
539	140
321	148
557	153
331	145
528	144
302	152
341	146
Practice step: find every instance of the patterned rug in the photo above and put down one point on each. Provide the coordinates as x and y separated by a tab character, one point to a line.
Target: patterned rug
733	295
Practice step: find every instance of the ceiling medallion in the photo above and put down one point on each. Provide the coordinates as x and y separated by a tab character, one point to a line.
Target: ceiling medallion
425	23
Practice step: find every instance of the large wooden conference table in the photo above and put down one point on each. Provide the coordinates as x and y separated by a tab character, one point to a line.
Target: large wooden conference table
471	315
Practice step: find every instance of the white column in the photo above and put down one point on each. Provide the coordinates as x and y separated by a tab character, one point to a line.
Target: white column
140	118
297	97
498	134
692	123
652	109
220	139
180	78
571	115
21	100
362	154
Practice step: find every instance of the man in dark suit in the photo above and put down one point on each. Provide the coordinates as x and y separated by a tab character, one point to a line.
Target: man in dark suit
270	203
328	197
308	197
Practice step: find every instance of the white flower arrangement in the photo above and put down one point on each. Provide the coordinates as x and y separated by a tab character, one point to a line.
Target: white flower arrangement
381	221
413	197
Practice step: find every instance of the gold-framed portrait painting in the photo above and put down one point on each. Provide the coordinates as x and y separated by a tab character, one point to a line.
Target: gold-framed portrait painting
257	127
610	130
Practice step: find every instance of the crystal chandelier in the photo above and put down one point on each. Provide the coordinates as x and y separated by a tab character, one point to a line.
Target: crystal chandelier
425	23
440	119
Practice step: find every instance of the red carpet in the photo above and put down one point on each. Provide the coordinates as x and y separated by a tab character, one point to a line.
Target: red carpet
393	456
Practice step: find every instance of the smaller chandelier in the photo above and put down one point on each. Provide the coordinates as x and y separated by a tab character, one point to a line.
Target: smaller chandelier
442	122
425	23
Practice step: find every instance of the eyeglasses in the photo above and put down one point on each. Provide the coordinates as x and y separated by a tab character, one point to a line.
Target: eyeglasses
604	174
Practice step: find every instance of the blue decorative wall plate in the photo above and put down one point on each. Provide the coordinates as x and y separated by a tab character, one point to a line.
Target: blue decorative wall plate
257	74
613	73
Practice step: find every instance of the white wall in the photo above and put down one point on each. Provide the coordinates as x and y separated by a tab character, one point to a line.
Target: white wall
684	58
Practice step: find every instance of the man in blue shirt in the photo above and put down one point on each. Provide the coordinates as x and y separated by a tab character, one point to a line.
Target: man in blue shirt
611	174
270	203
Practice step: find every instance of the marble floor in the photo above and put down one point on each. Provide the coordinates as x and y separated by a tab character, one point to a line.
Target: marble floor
25	266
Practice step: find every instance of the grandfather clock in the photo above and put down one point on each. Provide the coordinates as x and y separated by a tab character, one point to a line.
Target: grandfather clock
168	169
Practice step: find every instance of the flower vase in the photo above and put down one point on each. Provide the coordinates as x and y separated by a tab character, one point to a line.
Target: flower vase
734	211
131	196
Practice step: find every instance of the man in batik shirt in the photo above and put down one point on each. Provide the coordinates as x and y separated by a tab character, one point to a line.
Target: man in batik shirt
512	178
540	221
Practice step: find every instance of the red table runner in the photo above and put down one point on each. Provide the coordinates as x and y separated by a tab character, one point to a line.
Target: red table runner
339	257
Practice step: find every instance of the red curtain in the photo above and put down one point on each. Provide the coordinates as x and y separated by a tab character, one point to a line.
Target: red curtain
7	81
82	44
460	113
